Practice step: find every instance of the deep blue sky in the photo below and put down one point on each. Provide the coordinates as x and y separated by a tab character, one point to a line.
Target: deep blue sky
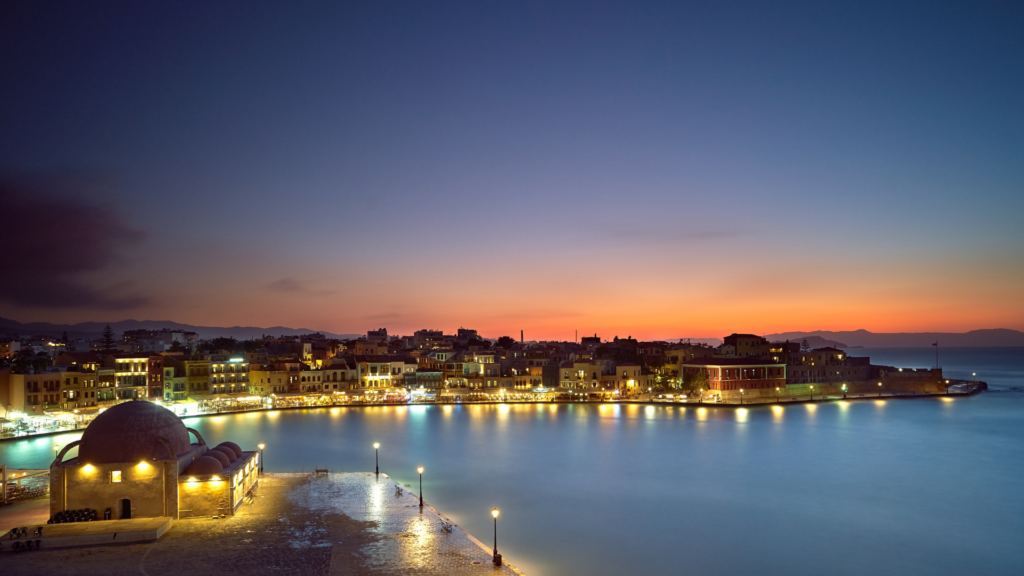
662	168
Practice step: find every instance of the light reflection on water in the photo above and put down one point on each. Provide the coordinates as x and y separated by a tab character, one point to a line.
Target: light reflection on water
853	487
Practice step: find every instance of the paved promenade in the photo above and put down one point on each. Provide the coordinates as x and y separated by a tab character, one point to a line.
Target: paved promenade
349	523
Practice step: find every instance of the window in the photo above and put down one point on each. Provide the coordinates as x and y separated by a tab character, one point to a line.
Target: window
115	475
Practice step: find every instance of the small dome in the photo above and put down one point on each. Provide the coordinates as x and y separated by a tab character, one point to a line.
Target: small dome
224	460
233	446
205	465
128	432
228	452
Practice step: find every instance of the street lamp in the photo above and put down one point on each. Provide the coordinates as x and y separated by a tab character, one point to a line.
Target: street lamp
420	470
879	389
650	395
56	450
376	457
741	396
812	391
776	394
497	557
261	446
701	401
844	391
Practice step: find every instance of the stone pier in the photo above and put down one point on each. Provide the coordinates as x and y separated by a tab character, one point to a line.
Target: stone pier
332	524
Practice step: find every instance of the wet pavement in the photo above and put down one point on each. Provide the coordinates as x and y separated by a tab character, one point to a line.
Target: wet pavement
405	540
351	523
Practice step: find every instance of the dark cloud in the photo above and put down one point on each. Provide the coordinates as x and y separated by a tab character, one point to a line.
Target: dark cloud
56	235
293	286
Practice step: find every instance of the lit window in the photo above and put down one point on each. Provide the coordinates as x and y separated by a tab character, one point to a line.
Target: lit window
115	475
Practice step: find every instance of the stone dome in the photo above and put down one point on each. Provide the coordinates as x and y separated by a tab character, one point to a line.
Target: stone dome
128	432
224	460
233	446
227	452
205	465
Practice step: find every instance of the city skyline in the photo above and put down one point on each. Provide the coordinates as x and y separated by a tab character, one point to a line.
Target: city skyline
641	171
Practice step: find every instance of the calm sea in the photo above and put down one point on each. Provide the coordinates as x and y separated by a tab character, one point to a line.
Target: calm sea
923	486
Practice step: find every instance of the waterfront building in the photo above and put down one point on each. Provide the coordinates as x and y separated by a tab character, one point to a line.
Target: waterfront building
197	375
175	382
737	373
228	375
137	376
136	460
54	390
827	366
339	376
425	378
264	381
375	372
746	346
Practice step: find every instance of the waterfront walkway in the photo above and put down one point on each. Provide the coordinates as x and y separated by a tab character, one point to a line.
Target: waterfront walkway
300	524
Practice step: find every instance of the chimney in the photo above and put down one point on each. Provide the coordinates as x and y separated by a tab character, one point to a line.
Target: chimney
520	336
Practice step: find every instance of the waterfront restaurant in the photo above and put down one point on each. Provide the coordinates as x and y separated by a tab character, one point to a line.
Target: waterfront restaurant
737	373
137	460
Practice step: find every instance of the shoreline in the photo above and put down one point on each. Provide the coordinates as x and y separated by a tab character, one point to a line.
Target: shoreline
781	402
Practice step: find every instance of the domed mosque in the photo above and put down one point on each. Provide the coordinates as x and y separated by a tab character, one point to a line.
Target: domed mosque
137	460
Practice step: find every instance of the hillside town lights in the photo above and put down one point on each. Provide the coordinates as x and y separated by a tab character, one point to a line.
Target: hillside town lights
376	457
497	557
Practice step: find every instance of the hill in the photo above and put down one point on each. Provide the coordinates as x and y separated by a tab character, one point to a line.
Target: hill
989	338
93	329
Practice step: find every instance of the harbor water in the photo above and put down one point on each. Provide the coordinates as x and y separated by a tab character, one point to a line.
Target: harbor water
881	486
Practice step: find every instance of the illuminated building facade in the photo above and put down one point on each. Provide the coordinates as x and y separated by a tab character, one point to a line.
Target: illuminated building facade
737	373
137	461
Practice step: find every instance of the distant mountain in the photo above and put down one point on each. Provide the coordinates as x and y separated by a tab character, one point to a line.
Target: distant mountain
93	329
862	338
818	342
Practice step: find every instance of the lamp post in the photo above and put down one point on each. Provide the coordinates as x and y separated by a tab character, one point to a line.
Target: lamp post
741	396
497	557
420	470
56	450
879	389
650	395
376	458
776	394
701	401
812	391
844	391
261	446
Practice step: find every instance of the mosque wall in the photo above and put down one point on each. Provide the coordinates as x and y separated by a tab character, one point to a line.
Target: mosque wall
203	497
149	486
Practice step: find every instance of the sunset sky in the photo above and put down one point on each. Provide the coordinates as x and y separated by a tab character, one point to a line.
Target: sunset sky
659	170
